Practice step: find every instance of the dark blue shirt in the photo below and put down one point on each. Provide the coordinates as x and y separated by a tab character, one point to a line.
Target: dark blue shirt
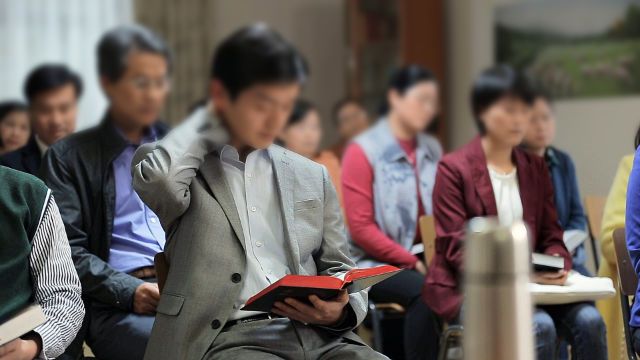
567	196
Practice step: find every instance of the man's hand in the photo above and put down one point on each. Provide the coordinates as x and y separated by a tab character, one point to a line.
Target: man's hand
322	312
421	267
551	278
145	299
19	349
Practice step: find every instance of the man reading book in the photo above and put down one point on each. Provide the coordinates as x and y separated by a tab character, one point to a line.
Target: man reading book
241	213
35	267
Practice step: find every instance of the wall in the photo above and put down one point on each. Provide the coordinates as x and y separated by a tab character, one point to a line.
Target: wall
317	27
597	133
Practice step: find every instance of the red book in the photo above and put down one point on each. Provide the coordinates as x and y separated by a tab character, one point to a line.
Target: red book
325	287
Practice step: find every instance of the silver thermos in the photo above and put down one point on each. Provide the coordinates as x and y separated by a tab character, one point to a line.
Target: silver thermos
497	313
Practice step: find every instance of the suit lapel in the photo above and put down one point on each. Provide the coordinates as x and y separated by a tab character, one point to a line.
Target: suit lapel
480	173
213	174
285	176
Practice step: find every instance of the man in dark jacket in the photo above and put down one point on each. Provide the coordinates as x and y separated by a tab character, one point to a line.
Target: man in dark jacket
113	234
53	92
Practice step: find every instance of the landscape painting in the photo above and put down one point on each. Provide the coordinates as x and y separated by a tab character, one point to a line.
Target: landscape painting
573	48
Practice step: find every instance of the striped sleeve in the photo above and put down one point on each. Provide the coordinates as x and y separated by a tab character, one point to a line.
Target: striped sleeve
56	284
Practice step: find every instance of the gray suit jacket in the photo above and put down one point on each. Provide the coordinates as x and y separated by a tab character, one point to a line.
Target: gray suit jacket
180	178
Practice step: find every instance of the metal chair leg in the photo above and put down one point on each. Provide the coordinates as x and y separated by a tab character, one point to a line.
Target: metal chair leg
452	332
376	326
626	314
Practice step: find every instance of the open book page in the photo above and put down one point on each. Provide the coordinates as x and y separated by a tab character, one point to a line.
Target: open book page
574	238
577	288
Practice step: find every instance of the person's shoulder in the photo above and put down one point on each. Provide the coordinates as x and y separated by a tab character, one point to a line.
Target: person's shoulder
375	137
12	158
20	181
432	144
562	155
460	156
77	143
627	161
328	158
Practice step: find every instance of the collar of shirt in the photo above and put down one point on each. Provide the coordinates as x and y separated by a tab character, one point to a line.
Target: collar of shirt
149	135
551	157
230	155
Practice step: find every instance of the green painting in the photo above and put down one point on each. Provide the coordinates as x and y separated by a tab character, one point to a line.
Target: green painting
573	48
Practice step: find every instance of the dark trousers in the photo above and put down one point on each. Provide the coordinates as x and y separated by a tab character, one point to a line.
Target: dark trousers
580	324
421	327
117	335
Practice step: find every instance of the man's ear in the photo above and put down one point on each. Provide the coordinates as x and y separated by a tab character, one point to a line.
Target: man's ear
106	85
218	94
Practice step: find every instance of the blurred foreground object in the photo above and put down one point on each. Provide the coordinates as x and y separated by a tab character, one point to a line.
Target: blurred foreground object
498	310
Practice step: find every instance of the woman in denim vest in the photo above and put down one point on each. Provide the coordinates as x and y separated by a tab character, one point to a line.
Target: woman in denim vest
388	174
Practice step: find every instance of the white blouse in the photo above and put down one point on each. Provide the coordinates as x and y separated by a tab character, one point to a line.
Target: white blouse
507	194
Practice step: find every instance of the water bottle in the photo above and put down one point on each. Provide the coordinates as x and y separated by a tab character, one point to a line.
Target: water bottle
497	312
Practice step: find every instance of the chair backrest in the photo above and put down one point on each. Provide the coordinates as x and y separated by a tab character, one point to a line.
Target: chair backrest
162	269
428	233
626	272
594	208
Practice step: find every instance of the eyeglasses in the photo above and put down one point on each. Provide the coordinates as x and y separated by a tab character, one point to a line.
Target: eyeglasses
144	84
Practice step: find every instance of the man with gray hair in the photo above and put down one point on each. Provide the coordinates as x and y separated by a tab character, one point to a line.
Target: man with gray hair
113	235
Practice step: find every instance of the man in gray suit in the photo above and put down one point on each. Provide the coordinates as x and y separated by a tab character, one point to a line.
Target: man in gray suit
240	213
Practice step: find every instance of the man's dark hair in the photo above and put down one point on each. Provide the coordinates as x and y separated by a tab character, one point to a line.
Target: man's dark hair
8	107
341	104
49	77
256	54
404	78
301	108
116	45
494	84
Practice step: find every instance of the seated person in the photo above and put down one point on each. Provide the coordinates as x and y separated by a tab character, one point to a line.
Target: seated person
632	227
15	127
388	173
537	140
53	92
303	134
36	266
243	213
350	119
114	236
612	219
492	176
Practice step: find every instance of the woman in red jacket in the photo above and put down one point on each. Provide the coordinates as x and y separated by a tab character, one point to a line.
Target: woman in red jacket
491	176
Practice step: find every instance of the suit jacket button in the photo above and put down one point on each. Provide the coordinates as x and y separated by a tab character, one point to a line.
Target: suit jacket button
215	324
236	278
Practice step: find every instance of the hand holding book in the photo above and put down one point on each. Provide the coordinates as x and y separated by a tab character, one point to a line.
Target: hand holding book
318	312
21	349
548	269
301	287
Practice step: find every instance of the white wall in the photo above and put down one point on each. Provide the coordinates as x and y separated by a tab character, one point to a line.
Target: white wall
316	27
597	133
33	32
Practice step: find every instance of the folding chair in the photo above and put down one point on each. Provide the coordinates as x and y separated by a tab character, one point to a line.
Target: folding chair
451	340
627	285
594	208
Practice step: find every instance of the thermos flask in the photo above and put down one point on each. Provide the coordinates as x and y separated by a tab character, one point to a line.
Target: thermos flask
497	311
